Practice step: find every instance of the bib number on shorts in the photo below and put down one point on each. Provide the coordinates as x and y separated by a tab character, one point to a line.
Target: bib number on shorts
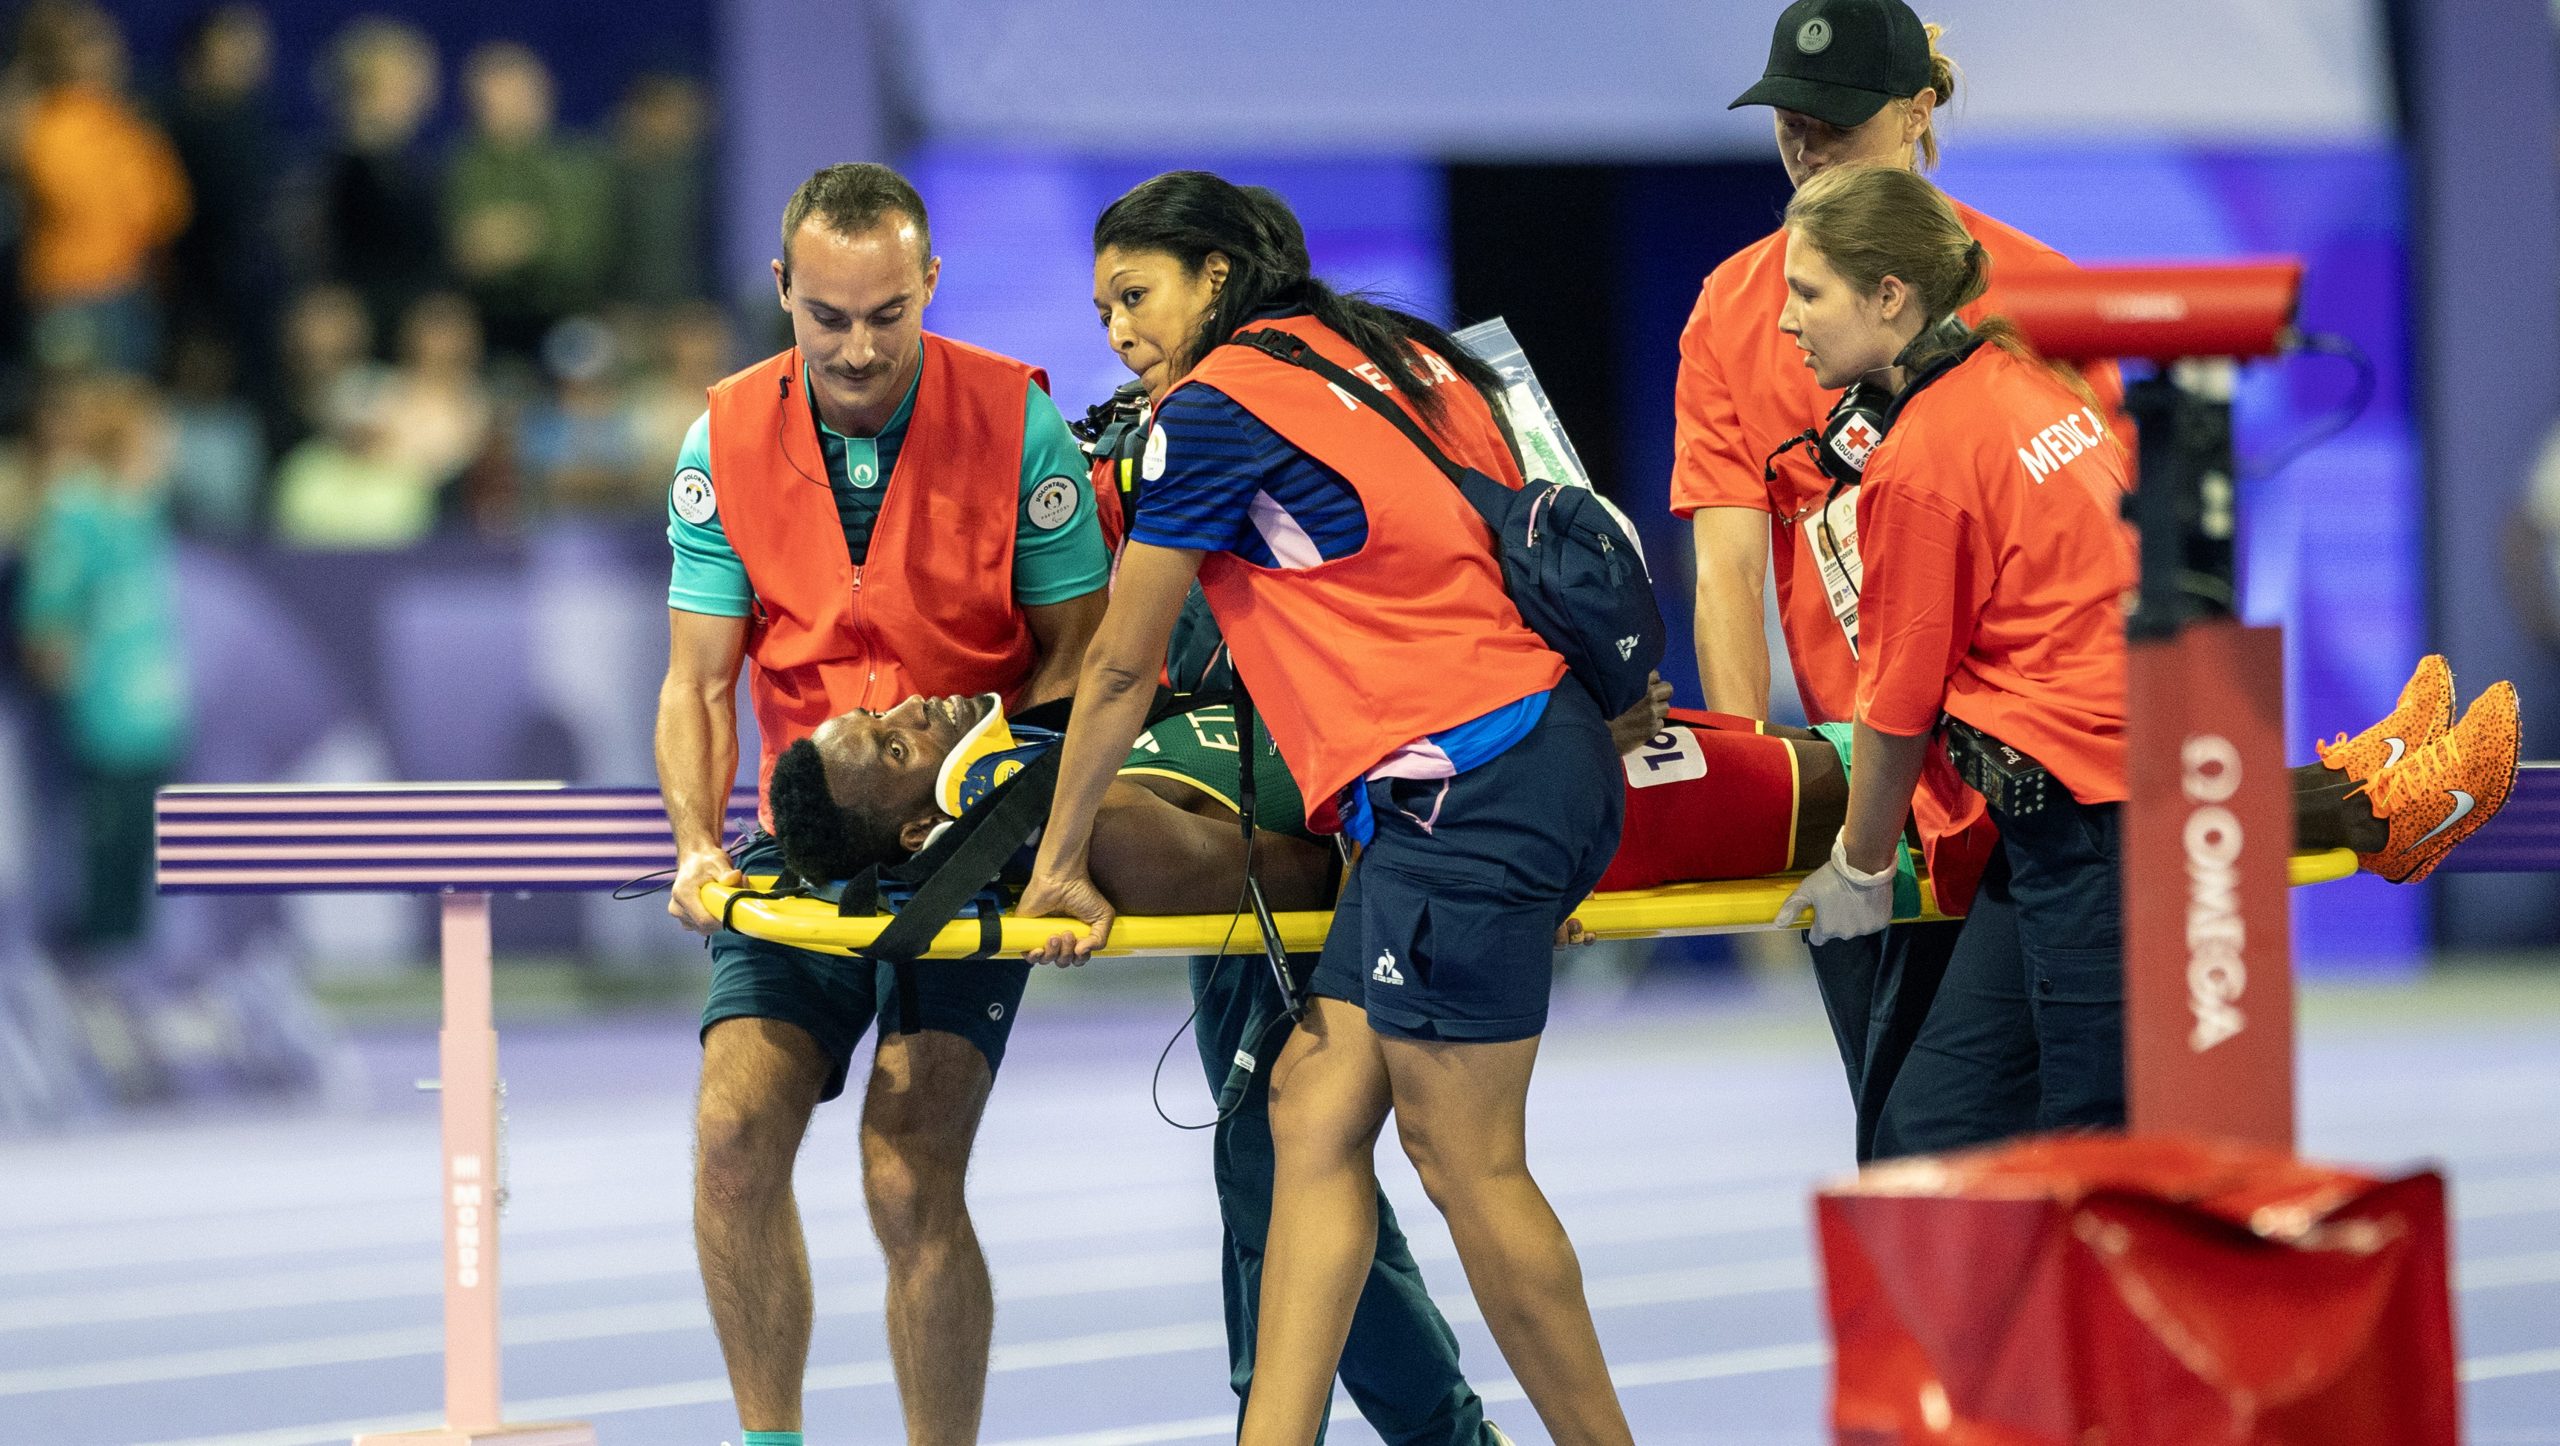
1670	756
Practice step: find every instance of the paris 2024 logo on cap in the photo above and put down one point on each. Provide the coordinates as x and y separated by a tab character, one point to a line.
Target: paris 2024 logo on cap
1814	36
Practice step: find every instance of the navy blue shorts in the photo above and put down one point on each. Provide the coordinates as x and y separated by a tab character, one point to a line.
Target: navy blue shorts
1448	931
834	999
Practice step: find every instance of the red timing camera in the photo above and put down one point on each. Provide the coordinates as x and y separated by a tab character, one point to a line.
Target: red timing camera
2156	313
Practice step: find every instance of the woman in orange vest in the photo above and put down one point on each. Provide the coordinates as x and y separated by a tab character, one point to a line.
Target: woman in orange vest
1366	615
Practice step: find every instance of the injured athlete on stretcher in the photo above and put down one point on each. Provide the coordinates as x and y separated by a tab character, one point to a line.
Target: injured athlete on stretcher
1709	797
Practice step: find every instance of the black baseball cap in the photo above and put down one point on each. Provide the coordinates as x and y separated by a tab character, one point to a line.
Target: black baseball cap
1839	61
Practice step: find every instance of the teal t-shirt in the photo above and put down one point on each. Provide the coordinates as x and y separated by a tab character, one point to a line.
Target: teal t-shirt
97	584
1057	550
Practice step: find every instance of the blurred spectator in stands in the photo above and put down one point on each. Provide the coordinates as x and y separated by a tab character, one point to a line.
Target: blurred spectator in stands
98	617
576	446
528	210
381	223
692	351
662	194
103	196
223	124
219	468
328	333
2533	548
17	368
349	488
438	403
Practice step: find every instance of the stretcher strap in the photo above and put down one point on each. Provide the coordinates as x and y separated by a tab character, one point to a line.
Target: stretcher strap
958	878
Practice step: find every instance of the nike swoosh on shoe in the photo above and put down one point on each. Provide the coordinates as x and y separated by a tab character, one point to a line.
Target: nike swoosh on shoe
2462	805
2397	749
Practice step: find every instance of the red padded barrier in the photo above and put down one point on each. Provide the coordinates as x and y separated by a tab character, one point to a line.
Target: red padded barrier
2148	1291
2156	313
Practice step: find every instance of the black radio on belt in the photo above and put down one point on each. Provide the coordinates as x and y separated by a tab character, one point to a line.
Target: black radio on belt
2010	781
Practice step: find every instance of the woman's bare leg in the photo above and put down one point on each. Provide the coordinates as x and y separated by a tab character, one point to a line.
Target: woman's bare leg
1328	1100
1461	1112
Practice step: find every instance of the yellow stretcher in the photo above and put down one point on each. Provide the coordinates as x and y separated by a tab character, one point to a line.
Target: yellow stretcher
1732	906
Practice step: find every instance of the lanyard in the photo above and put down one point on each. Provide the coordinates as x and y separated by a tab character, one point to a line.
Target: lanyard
1834	540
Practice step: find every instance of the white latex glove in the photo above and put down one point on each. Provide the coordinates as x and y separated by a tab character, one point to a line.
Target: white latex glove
1846	904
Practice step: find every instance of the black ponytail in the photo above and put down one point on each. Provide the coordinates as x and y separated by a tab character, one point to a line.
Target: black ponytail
1190	214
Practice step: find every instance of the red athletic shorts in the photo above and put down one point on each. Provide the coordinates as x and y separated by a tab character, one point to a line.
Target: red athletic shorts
1709	797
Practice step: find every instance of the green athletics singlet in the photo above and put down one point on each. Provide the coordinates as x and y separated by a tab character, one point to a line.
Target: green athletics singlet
1199	748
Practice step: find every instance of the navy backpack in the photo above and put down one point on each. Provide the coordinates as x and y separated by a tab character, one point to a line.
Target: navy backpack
1569	559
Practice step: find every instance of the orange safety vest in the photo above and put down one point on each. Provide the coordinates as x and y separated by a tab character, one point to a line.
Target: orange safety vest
931	609
1352	659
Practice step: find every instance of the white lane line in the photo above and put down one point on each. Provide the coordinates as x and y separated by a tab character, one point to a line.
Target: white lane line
1642	1222
2508	1367
1072	1278
2500	1199
1679	1217
1059	1280
1716	1365
1030	1355
1163	1340
2498	1271
59	1252
1122	1345
122	1178
566	1177
300	1170
1089	1214
541	1208
1069	1351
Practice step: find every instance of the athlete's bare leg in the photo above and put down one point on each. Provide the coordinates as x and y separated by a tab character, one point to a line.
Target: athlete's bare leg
1154	856
920	1116
760	1080
2328	812
2326	817
1822	800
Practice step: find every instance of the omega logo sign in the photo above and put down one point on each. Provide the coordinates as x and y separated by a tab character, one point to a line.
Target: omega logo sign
469	1198
2142	306
2216	934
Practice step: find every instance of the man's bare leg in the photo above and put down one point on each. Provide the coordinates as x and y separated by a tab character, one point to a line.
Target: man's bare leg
760	1081
919	1118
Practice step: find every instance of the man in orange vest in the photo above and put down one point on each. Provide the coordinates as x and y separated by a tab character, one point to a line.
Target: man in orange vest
875	513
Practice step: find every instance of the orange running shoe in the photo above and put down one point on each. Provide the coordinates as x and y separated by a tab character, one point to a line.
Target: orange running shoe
2440	794
2425	711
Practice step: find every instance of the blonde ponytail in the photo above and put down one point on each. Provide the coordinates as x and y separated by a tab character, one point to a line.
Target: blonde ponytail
1942	86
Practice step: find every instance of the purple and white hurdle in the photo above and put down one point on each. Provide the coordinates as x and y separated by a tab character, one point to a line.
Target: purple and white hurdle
462	842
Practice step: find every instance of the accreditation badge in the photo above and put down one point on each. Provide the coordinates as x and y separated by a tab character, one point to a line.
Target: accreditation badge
1833	536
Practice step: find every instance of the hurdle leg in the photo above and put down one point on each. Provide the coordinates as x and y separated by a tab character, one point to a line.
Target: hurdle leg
469	1187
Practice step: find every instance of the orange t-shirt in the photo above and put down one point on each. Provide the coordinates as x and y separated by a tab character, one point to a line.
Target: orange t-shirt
1997	569
1744	390
103	191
